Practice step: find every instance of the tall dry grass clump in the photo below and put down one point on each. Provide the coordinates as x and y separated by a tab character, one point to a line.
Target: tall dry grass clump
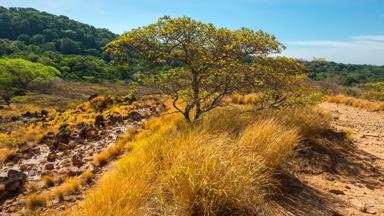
223	165
356	102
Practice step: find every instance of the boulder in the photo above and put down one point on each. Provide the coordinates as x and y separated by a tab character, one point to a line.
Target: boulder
135	116
44	113
49	166
51	157
115	118
23	167
64	136
77	161
15	118
88	132
13	183
100	121
74	171
48	138
29	115
63	147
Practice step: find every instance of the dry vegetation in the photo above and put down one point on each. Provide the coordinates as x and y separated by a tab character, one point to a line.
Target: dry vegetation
71	185
113	151
34	131
224	165
60	94
356	102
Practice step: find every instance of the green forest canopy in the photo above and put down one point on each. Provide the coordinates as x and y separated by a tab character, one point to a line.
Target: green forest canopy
344	74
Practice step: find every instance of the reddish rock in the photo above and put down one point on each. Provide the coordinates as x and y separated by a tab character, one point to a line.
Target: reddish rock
51	157
49	166
77	161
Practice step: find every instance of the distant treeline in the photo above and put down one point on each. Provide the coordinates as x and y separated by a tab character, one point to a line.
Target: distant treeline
344	74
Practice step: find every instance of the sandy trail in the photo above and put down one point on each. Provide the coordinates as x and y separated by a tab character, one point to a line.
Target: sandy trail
361	192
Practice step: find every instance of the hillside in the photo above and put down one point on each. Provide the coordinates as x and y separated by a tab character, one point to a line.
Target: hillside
41	31
72	47
344	74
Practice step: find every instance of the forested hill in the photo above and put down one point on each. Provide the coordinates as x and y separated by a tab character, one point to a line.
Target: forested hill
344	74
47	32
73	48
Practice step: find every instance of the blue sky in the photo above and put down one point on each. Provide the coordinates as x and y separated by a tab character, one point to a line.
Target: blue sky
349	31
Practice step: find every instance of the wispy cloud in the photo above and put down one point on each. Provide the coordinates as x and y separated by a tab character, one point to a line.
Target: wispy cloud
361	49
369	38
354	41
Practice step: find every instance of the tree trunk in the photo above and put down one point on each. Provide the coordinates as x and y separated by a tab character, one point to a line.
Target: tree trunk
196	97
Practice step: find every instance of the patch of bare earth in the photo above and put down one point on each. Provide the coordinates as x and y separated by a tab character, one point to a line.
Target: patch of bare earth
336	174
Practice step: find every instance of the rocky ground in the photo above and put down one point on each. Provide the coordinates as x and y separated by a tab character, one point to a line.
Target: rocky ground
66	154
342	172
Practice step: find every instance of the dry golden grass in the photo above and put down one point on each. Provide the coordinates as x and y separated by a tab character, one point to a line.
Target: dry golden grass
35	201
348	133
356	102
48	181
69	186
112	151
221	166
243	99
6	153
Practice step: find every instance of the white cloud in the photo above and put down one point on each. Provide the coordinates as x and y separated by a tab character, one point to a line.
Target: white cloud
375	38
362	49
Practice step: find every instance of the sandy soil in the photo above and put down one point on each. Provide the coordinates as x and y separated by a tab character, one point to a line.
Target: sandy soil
356	185
338	174
363	191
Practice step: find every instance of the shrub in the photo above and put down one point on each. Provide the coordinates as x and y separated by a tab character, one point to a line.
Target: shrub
222	165
35	201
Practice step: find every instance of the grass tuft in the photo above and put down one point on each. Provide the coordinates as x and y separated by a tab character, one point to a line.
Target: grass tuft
356	102
34	202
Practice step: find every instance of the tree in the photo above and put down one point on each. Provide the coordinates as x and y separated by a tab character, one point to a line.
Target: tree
214	61
17	74
280	82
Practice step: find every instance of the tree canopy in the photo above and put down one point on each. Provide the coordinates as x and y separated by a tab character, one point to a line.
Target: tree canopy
52	33
213	61
73	48
344	74
17	74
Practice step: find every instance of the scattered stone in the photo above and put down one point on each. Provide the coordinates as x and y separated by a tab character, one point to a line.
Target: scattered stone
337	192
100	121
63	147
13	183
15	118
135	116
44	113
51	157
63	136
66	163
49	166
74	171
23	167
77	161
88	132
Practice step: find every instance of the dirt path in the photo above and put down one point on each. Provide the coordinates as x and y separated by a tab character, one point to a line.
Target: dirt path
358	186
